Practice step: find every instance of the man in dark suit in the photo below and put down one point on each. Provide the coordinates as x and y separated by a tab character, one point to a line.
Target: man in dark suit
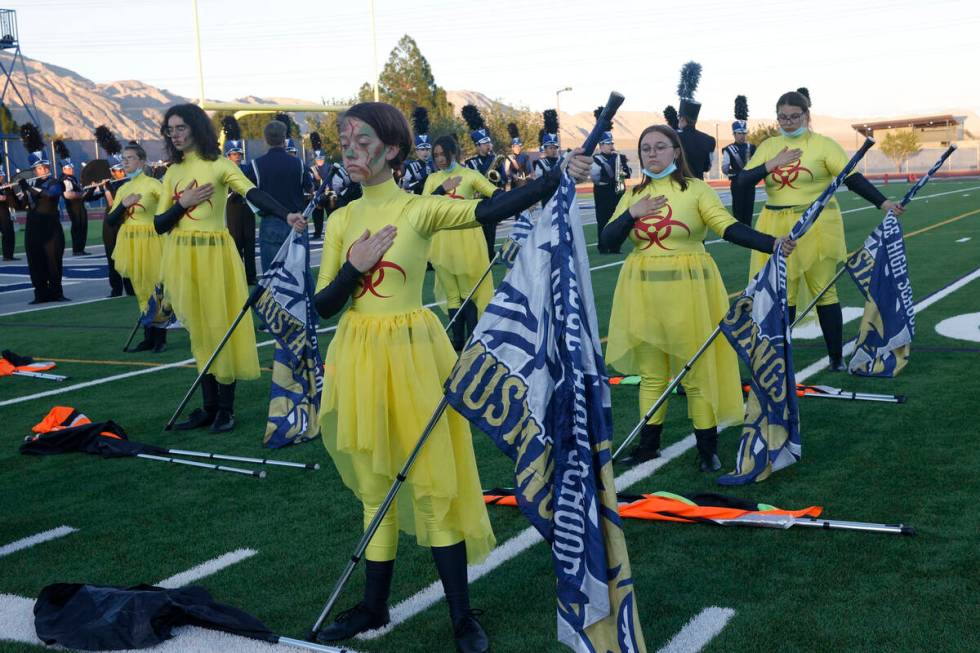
284	177
699	148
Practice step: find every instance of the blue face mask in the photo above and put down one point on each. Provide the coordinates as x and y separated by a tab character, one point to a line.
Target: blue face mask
794	133
452	165
134	175
663	173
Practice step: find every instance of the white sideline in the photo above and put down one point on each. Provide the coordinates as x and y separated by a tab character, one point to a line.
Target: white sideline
516	545
30	541
206	568
700	630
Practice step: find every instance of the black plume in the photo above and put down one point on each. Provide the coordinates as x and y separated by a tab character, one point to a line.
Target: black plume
741	107
420	120
512	130
107	140
551	121
690	76
541	133
315	141
598	112
61	149
473	117
670	116
286	120
31	137
805	92
231	128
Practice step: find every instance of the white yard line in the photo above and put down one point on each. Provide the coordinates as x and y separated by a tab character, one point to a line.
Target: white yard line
700	630
516	545
206	568
27	542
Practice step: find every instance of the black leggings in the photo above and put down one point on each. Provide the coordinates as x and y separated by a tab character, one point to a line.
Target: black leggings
44	241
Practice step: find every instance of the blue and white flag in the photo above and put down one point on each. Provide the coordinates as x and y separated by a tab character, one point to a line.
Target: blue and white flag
286	308
533	378
518	234
757	325
159	313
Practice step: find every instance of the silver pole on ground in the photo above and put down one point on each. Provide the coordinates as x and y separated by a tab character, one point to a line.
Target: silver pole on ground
787	521
243	459
493	261
310	646
378	516
132	333
194	463
241	314
41	375
666	393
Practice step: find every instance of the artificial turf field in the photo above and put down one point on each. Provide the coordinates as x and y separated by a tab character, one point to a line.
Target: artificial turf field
796	590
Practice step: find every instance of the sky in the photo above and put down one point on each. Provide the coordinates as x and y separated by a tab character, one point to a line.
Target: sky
859	59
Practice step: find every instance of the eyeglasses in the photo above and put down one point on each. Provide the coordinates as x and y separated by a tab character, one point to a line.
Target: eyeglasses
176	129
782	117
658	148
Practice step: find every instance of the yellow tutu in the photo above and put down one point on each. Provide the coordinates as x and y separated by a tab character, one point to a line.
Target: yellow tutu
204	280
672	303
383	379
459	257
138	252
823	242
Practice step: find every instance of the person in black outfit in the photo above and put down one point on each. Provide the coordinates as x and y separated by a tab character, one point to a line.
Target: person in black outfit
8	204
238	215
699	148
316	175
108	141
44	238
734	158
609	171
286	179
485	162
418	169
74	200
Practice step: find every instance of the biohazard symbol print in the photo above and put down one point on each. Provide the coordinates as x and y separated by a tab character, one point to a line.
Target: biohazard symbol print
175	198
654	228
370	281
788	174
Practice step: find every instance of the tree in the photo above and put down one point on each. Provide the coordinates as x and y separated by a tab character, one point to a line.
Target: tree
900	146
7	123
762	132
406	82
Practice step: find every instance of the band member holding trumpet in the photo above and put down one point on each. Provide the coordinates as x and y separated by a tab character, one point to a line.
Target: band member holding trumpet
419	168
609	173
139	249
74	200
44	238
484	162
110	144
517	165
459	256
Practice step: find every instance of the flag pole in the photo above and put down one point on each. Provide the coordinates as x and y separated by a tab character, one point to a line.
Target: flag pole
243	459
667	392
788	521
194	463
252	298
136	327
916	187
493	261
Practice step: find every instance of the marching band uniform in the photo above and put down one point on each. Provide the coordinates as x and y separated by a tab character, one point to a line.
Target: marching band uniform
734	159
108	141
699	148
548	138
316	175
139	249
483	164
517	165
77	213
7	205
240	219
459	256
44	239
421	167
668	300
337	189
608	172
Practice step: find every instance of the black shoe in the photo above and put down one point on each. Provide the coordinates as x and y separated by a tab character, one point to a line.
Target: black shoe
12	258
115	293
710	463
358	619
160	346
223	421
144	345
707	443
469	634
196	420
838	366
37	301
649	446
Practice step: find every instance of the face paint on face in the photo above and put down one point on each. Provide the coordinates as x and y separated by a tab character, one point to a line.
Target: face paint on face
362	151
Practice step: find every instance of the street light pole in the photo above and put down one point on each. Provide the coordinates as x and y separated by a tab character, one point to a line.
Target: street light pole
197	41
558	97
374	46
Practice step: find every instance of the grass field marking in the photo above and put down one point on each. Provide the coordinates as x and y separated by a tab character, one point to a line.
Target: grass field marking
58	305
38	538
921	197
205	569
700	630
944	222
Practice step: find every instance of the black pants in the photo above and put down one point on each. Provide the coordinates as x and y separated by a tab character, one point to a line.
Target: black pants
241	226
44	241
743	202
7	235
116	282
317	223
79	226
606	200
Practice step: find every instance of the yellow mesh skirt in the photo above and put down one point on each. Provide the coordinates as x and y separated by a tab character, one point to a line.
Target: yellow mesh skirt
204	280
383	379
138	252
459	257
672	303
824	241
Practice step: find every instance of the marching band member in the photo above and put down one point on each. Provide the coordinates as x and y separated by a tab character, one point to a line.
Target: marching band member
484	162
610	169
517	165
422	165
459	256
670	294
203	275
74	200
734	158
139	248
387	362
548	137
44	239
797	166
316	174
8	203
239	216
699	148
110	144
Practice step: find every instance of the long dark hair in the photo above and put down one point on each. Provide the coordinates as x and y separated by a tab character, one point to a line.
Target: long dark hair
388	123
202	131
449	146
682	172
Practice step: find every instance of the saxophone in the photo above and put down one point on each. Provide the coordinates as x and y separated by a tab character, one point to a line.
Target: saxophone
618	174
493	174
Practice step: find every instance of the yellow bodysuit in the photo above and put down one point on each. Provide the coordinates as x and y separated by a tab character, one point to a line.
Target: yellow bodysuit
139	248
